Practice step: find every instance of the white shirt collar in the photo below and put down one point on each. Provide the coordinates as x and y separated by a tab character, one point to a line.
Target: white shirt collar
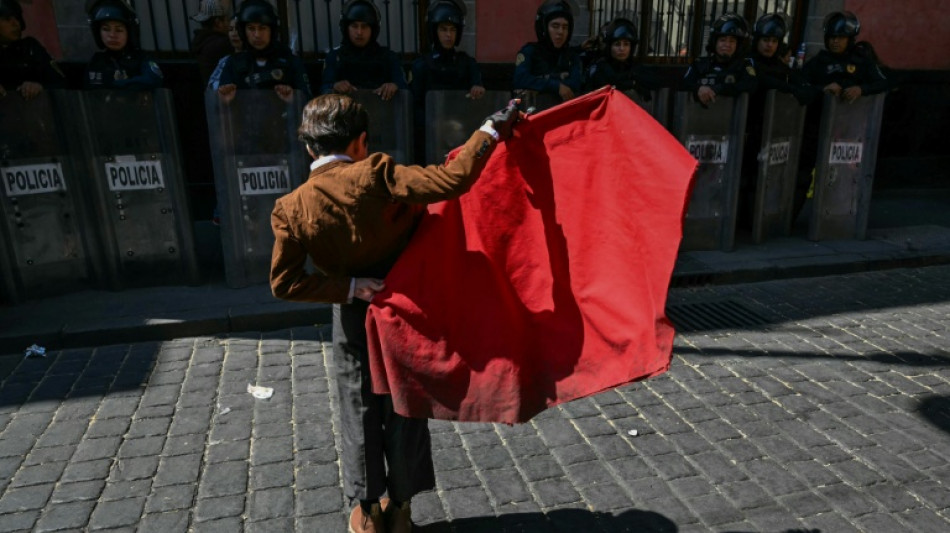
332	158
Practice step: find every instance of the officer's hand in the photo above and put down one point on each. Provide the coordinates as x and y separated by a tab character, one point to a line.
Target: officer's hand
565	92
851	94
833	88
366	288
30	89
503	121
284	92
3	92
343	87
386	90
476	92
227	92
706	95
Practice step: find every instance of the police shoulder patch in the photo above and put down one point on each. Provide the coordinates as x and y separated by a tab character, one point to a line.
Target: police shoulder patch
851	68
155	69
750	69
519	59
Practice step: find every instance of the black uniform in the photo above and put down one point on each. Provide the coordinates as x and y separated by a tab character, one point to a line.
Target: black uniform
625	75
731	78
27	60
279	67
773	73
365	67
543	68
444	70
847	70
129	69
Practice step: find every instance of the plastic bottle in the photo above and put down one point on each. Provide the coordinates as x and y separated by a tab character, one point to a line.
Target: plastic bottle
800	56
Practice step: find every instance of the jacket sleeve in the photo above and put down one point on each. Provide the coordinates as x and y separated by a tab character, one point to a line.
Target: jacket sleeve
301	80
289	277
434	183
874	81
149	77
692	77
525	80
474	73
746	80
328	78
396	74
575	76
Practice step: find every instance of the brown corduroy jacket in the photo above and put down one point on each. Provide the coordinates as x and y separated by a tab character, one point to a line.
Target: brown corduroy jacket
350	216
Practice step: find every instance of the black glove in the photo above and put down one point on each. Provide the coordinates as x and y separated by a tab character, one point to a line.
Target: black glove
504	120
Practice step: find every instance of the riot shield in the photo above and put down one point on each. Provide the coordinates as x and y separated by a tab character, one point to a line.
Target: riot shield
451	118
45	247
390	124
131	147
657	106
844	171
713	135
537	100
257	159
782	124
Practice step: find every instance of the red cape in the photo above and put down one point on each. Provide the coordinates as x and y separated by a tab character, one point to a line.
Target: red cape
545	283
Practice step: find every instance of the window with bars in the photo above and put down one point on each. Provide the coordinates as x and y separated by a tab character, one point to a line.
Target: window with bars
308	26
676	30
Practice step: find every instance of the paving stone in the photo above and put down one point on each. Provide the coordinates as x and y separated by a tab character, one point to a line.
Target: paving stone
172	522
65	516
315	476
467	503
117	513
272	503
323	500
102	448
178	469
129	469
223	479
120	490
39	474
87	470
25	498
171	498
82	490
222	507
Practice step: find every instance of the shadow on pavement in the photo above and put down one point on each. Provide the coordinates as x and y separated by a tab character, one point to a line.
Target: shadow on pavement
910	359
936	410
558	521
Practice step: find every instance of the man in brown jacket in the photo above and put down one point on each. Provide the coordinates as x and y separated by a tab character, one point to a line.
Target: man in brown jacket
352	218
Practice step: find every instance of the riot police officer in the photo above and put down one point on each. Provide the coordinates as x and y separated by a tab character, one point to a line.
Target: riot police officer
772	71
550	65
446	67
840	69
725	72
360	62
121	63
25	66
265	62
617	66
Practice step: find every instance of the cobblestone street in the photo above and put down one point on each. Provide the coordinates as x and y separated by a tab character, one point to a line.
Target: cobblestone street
819	404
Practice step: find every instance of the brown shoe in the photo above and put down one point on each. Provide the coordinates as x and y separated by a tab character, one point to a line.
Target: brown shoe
360	522
398	518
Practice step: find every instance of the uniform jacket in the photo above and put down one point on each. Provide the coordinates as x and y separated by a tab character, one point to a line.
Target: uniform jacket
543	69
210	47
624	75
349	217
847	70
773	73
128	69
442	70
366	68
726	79
27	60
281	67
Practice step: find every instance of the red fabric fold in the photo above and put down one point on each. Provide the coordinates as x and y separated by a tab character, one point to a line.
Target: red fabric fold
546	282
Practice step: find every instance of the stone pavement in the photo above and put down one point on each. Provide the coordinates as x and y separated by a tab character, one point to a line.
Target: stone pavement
817	404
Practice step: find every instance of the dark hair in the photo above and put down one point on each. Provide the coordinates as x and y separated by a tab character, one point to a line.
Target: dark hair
330	123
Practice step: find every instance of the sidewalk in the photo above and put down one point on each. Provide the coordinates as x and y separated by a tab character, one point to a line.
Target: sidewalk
906	229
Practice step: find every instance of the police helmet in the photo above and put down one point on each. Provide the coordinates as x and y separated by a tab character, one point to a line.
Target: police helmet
620	28
841	24
548	11
729	24
359	11
12	8
445	11
101	11
771	25
260	12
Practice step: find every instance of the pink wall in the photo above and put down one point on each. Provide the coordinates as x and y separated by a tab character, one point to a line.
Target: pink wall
41	24
502	27
911	34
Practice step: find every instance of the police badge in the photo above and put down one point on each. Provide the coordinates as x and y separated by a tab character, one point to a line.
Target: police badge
730	79
519	59
851	68
120	75
277	74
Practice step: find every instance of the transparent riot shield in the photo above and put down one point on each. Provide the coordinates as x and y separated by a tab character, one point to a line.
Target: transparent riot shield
714	136
844	171
657	105
451	118
132	151
538	101
45	243
782	124
257	159
390	124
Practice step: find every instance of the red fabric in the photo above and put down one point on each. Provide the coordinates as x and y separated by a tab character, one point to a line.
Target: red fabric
547	281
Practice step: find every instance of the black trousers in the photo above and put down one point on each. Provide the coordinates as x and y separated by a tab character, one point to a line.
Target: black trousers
382	451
